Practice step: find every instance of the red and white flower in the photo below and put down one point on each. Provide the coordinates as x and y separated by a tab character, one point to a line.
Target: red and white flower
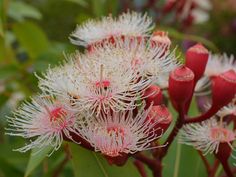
207	136
130	24
218	64
43	121
118	133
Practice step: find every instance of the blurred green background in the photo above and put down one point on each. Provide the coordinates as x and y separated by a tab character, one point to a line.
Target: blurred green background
34	34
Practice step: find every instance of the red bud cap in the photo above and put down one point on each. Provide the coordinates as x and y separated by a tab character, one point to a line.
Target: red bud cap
160	115
153	95
160	38
223	88
119	160
224	152
196	60
181	83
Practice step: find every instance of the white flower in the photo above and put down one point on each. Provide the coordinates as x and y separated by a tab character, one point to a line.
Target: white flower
127	24
218	64
44	122
116	133
203	87
96	82
60	81
206	136
151	61
230	109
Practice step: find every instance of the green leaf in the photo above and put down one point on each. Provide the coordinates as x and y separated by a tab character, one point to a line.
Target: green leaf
8	170
36	159
31	37
1	28
2	15
8	71
82	3
98	7
19	10
52	56
4	99
90	164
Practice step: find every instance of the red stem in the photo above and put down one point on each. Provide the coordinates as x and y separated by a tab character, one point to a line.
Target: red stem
205	161
153	164
227	169
214	168
140	168
234	171
212	111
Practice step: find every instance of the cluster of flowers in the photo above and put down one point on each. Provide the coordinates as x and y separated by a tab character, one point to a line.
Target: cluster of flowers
109	98
97	98
214	131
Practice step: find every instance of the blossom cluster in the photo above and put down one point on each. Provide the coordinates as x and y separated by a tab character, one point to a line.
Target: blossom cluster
109	98
100	96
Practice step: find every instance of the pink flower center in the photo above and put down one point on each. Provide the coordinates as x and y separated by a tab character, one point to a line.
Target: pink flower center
58	119
222	134
57	113
117	141
103	84
118	131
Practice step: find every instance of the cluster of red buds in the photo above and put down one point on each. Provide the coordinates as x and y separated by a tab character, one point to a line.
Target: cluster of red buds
112	98
185	12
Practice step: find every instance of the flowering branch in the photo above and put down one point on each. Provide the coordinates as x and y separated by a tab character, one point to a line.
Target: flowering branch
105	99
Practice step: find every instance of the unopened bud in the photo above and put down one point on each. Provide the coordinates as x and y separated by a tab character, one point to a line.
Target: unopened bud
181	83
153	95
118	160
196	60
223	88
161	116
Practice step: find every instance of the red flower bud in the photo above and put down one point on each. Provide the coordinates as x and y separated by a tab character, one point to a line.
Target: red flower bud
181	82
160	115
153	95
119	160
196	60
223	88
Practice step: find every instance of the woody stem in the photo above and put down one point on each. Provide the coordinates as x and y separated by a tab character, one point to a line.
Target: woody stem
153	164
